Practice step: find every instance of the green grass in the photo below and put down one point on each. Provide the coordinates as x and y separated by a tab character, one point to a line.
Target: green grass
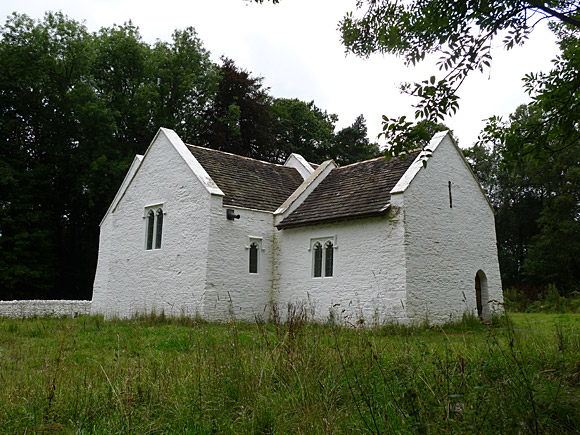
157	375
546	322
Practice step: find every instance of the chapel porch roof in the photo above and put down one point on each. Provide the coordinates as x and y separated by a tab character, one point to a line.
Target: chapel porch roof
349	192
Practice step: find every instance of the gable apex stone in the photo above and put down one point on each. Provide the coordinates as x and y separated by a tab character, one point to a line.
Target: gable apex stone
299	163
191	161
305	189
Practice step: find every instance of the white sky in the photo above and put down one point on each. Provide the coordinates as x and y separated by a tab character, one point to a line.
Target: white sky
296	47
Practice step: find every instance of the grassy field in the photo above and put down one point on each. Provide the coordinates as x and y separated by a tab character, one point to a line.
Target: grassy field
154	375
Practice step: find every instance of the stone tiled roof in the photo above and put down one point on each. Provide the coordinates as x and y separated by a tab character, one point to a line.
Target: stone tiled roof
350	192
247	182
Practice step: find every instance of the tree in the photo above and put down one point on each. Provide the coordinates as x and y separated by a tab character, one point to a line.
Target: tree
123	81
555	104
169	84
75	108
186	83
238	120
44	78
554	254
351	144
461	32
537	204
302	128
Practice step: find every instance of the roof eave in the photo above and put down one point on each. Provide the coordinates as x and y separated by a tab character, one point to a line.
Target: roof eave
384	211
137	160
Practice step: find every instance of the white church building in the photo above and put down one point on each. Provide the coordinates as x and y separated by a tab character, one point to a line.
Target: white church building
195	231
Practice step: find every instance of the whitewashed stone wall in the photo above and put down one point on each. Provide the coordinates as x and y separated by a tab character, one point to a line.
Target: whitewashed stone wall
369	271
417	263
131	279
446	247
230	288
43	308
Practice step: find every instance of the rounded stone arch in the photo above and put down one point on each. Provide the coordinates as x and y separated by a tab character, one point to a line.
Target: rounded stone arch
481	295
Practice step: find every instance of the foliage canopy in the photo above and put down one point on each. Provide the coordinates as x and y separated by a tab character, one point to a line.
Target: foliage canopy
75	108
537	206
460	32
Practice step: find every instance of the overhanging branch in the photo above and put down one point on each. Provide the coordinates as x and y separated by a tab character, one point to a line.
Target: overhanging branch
562	17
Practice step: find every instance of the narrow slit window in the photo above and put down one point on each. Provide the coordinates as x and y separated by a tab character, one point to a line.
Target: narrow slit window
159	229
254	257
150	228
450	197
328	258
317	260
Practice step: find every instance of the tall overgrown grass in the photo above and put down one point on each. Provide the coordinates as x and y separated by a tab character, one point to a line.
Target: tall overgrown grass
153	374
544	300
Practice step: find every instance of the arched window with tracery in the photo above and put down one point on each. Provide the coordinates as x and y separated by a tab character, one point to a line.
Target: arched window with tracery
150	228
317	260
328	258
153	227
323	256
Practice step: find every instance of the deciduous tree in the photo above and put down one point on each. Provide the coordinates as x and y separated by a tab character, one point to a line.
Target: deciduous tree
460	33
238	120
75	108
302	128
45	96
537	205
351	144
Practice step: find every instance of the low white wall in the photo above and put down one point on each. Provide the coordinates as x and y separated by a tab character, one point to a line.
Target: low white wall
42	308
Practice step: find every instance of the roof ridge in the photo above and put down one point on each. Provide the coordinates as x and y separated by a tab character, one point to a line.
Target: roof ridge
236	155
358	163
381	157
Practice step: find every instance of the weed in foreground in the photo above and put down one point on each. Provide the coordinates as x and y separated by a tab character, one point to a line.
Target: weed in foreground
288	375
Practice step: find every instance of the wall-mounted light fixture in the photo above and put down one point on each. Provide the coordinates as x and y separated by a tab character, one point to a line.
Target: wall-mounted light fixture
231	215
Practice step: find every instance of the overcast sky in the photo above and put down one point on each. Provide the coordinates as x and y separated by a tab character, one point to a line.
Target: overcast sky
296	47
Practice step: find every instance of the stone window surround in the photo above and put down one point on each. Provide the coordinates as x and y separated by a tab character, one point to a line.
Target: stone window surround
323	241
258	241
155	208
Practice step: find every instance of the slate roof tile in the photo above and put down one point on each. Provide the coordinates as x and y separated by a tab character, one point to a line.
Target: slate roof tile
247	182
349	192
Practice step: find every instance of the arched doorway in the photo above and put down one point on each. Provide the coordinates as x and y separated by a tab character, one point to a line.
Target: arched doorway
481	296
